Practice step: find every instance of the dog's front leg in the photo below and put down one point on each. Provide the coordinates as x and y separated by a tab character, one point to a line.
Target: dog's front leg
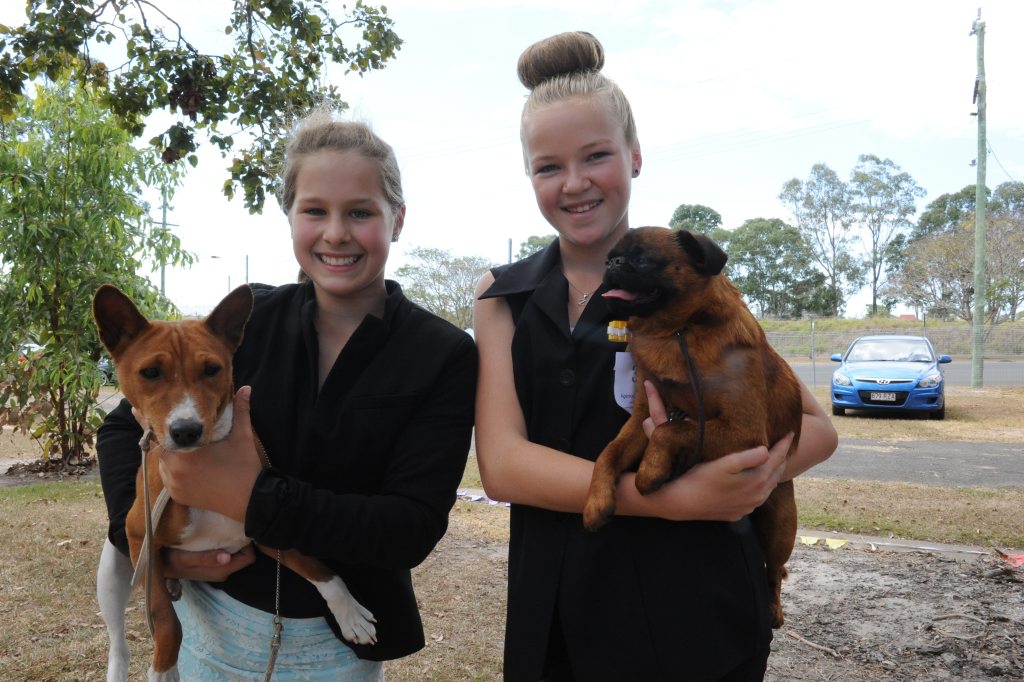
670	452
354	619
113	591
618	456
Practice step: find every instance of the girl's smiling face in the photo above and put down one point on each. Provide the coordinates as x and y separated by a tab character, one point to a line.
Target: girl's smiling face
342	226
581	168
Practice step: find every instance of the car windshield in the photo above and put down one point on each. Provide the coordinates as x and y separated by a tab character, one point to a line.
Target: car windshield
890	350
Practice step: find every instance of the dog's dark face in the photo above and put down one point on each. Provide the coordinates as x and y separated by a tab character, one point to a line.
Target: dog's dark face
652	267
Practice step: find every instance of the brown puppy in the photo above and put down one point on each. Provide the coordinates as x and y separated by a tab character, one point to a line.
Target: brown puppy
725	389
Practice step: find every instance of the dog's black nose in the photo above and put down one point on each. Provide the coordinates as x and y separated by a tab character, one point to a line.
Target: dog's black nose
185	432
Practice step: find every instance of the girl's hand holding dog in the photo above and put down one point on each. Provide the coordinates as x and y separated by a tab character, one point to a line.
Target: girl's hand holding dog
726	489
213	565
220	476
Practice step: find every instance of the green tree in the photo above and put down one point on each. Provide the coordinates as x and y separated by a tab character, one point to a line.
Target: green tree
534	244
939	273
824	214
274	67
1006	237
443	283
72	218
695	218
946	213
884	199
771	266
953	214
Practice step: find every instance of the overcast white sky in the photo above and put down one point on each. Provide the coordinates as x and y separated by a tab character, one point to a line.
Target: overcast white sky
732	98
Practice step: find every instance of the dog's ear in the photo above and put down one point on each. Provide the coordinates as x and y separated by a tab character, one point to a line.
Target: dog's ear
708	258
228	319
117	318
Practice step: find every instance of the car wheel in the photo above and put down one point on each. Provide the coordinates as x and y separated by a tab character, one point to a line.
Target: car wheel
838	411
938	414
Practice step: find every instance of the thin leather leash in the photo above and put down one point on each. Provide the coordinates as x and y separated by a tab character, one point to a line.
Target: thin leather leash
153	514
275	640
698	393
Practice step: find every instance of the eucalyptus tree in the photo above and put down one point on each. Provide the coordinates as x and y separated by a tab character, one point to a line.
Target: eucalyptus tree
1006	258
884	200
443	283
533	244
771	266
267	64
695	218
937	271
823	209
73	216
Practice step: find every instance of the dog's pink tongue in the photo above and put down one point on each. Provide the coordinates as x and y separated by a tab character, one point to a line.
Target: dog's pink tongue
619	293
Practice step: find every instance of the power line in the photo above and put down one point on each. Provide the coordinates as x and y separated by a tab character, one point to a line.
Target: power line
993	153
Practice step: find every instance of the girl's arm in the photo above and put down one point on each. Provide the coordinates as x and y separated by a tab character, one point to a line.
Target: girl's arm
516	470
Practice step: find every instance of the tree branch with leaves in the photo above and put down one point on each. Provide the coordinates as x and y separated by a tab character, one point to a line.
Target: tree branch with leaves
272	71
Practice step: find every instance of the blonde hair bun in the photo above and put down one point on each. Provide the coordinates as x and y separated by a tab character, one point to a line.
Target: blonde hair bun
560	54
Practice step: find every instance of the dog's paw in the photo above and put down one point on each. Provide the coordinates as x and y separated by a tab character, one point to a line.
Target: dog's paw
166	676
173	588
596	513
648	480
354	619
358	625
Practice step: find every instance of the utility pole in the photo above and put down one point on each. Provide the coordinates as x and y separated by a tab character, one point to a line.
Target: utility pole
980	202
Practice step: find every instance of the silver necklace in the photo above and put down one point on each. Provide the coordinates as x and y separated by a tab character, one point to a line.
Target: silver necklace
584	296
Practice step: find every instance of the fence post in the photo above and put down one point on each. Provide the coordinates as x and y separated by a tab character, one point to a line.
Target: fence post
814	366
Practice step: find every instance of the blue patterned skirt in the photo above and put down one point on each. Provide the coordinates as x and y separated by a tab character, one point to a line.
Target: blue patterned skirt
225	639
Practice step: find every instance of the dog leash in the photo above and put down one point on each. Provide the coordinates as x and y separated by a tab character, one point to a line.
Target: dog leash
152	519
275	640
153	514
697	392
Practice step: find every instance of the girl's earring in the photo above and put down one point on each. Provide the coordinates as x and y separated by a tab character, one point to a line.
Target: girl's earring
636	172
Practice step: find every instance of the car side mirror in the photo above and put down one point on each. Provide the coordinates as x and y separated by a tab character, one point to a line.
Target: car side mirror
945	358
837	357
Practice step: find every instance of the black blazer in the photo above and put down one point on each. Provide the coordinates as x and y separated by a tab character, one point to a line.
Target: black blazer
364	470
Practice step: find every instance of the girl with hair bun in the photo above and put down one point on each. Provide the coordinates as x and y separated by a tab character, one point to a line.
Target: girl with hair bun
674	588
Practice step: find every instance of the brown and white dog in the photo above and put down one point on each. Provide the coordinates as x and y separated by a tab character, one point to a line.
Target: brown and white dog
725	388
178	375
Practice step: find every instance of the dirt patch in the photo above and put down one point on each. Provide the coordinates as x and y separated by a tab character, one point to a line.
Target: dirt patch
855	612
20	463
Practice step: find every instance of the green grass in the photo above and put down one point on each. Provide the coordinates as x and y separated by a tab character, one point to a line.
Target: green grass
969	516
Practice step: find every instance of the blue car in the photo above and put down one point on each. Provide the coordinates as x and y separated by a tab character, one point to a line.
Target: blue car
891	373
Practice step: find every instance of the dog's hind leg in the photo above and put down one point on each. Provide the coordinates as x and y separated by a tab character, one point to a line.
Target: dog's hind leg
776	524
113	590
166	629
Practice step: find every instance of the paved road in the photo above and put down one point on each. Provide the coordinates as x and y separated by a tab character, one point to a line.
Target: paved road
958	372
939	463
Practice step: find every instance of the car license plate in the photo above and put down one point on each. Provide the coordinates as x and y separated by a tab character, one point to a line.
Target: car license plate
884	397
